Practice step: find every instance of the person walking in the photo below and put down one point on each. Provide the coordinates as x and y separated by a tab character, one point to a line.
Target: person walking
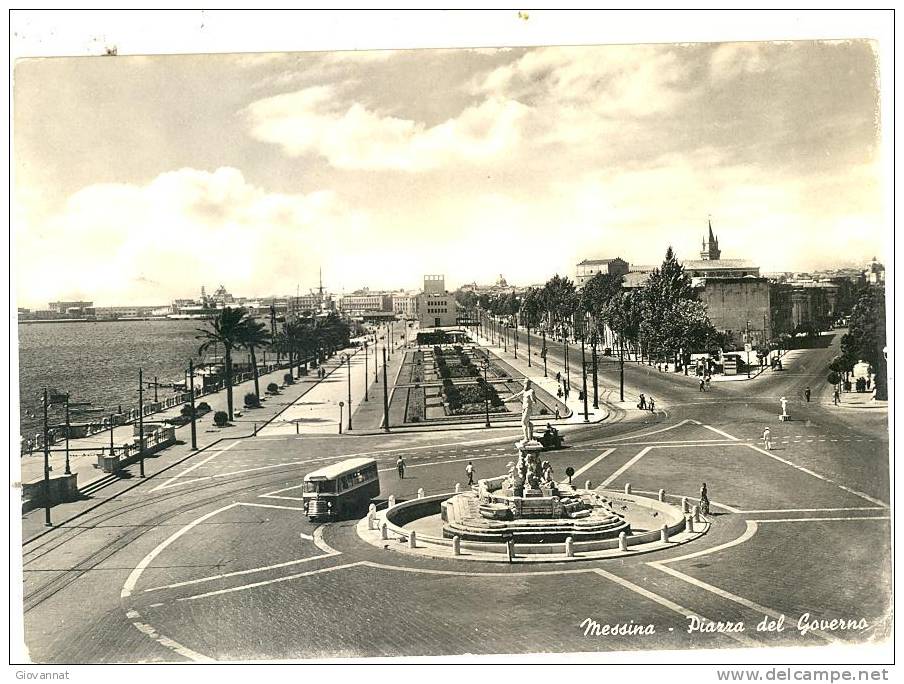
566	393
707	378
837	397
767	439
807	394
704	500
702	385
469	469
652	405
400	465
642	404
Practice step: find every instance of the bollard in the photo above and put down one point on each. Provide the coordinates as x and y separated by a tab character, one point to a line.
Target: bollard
510	549
456	545
569	547
696	514
412	540
664	534
688	522
296	428
627	487
391	501
420	493
458	487
371	520
685	506
255	430
384	532
372	508
662	495
587	484
622	541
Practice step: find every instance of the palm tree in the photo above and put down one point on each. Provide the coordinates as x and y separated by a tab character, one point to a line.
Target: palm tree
226	329
255	335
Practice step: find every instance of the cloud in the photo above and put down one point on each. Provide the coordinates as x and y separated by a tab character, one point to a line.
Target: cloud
317	120
149	244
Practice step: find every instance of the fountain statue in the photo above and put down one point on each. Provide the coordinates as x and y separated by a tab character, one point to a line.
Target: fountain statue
528	399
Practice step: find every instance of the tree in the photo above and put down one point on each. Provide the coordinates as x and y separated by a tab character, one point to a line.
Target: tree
227	329
255	335
866	336
665	311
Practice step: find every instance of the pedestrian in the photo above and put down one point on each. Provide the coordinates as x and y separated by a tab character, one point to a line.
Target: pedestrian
559	392
642	405
652	405
867	384
469	469
837	397
702	385
707	378
807	393
557	412
566	393
767	439
704	500
558	377
400	465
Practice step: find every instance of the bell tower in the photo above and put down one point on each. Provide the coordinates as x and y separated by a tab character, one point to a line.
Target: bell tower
710	251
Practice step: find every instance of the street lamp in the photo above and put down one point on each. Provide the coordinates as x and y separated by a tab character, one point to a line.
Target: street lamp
191	398
593	363
348	363
584	374
543	353
341	404
365	370
486	387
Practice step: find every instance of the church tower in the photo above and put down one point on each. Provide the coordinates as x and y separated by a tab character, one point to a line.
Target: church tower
711	251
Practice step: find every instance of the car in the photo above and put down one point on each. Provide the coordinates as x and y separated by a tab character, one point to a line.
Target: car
551	439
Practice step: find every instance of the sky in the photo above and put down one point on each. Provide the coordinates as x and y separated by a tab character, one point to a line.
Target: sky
140	179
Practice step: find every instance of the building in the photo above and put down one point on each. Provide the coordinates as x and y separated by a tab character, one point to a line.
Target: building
364	301
112	313
436	308
405	303
77	309
738	307
875	272
590	267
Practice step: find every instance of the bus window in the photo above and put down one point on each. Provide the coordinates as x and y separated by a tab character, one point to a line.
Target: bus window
320	486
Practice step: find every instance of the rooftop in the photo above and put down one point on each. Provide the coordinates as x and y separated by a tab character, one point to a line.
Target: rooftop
598	262
713	264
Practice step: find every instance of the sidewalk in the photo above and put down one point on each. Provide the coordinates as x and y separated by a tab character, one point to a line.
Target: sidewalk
607	395
82	462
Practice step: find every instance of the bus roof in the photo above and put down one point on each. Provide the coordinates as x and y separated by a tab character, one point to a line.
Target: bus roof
331	472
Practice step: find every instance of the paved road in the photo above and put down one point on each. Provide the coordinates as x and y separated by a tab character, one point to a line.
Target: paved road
212	558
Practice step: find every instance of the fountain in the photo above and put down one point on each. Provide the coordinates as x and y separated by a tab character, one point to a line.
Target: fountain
528	506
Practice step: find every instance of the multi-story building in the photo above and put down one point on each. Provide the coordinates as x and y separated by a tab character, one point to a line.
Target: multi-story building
364	301
405	303
590	267
739	307
76	309
115	312
875	272
436	307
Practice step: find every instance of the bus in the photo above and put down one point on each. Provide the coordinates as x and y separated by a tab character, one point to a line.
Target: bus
340	490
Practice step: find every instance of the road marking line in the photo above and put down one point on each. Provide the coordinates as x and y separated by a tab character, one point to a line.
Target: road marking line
284	489
655	432
813	510
592	463
165	641
260	505
266	582
775	520
132	579
164	485
747	603
454	460
748	533
817	475
321	544
240	572
720	432
627	465
674	607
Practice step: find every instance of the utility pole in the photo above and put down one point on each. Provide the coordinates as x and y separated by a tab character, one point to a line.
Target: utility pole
47	522
747	349
191	398
385	396
593	357
155	389
366	372
567	365
584	374
141	422
111	435
528	347
348	363
543	353
621	367
67	471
